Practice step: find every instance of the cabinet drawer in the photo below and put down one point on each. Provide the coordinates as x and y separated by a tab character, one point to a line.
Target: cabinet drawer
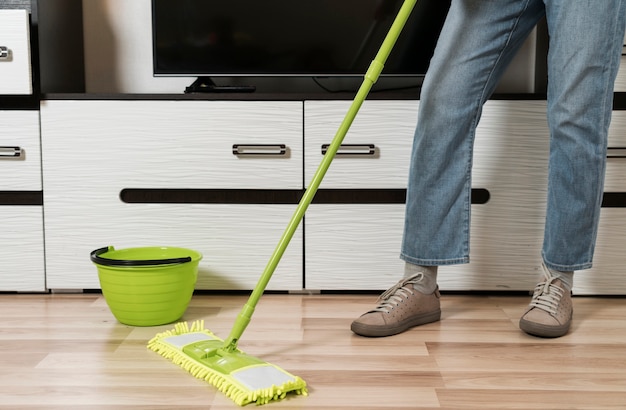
15	68
353	247
615	180
236	240
607	274
511	147
620	81
512	155
357	247
21	251
376	149
173	144
20	155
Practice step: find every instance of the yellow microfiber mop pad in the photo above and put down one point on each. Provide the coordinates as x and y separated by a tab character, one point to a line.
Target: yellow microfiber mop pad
243	378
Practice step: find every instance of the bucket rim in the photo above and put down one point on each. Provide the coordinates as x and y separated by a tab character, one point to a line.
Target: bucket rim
96	258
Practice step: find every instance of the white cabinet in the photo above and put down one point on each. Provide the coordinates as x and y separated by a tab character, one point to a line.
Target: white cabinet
22	247
606	276
22	266
356	246
139	172
15	68
95	151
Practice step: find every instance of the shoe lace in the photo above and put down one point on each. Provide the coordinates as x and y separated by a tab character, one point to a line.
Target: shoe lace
547	295
397	293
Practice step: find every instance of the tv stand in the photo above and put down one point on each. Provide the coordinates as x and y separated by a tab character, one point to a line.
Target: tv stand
206	85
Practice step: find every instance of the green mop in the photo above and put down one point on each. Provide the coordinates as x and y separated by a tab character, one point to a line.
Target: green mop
246	379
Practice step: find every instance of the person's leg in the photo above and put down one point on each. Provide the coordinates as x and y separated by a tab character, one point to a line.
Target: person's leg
479	39
586	40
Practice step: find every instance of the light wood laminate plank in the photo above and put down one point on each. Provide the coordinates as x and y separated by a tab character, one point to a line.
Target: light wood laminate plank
69	352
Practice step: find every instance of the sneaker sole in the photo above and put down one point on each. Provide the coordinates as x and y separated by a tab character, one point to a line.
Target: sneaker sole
536	329
382	331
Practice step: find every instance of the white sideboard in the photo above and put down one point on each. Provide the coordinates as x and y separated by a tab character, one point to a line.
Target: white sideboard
222	175
94	151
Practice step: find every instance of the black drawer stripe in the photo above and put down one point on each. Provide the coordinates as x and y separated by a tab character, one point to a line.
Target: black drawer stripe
21	198
209	196
619	101
19	102
614	200
270	196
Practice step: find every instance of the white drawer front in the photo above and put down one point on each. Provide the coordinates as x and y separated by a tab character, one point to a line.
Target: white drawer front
21	249
357	247
15	68
172	144
350	247
607	274
616	162
511	147
236	240
505	247
378	144
620	81
20	153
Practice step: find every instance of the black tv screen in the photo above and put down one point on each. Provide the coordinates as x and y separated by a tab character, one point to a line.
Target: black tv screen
319	38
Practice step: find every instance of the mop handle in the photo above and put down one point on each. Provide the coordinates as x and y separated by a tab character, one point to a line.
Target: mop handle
371	76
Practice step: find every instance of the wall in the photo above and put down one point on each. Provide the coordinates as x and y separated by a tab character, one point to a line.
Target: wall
118	48
118	53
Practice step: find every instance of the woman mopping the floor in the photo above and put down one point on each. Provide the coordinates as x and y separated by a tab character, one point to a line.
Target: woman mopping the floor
478	40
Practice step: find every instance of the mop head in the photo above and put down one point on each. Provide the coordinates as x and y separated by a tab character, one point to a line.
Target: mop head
243	378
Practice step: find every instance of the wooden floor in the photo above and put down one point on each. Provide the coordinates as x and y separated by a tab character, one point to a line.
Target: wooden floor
69	352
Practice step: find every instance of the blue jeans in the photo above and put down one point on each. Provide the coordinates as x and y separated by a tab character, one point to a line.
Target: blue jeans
479	39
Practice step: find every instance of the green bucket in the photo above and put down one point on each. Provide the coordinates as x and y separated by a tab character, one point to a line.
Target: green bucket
147	286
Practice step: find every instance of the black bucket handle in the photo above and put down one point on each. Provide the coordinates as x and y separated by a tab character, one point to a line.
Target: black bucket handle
96	258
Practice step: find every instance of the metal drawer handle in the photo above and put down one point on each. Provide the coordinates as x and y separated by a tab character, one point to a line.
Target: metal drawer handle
10	152
353	149
5	54
259	149
616	152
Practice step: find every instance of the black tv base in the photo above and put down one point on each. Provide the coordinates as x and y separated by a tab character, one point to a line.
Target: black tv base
206	85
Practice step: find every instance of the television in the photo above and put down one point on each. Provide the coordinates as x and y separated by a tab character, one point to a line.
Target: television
304	38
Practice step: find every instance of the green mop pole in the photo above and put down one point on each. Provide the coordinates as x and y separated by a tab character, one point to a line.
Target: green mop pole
371	76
